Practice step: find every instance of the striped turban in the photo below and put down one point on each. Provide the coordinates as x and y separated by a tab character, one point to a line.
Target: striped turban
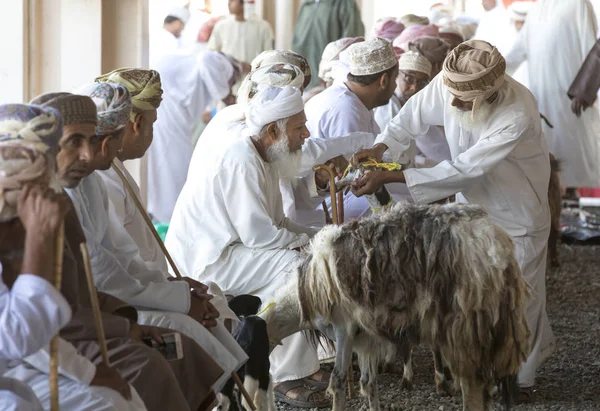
144	86
331	54
412	19
474	71
388	28
273	75
113	104
414	32
433	49
29	137
283	57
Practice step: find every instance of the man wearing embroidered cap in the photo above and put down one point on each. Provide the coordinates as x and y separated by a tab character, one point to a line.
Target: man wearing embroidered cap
229	226
499	161
347	107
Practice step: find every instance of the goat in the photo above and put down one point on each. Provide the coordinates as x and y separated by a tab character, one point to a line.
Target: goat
253	338
555	202
447	271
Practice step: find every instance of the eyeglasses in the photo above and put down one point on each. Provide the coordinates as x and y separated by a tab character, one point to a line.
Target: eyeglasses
412	80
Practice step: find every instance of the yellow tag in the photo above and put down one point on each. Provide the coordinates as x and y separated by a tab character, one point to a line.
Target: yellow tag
372	163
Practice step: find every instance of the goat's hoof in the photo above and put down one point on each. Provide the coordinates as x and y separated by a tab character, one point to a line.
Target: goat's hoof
444	389
406	384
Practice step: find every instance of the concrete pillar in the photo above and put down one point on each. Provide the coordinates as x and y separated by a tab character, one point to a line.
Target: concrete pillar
13	64
284	23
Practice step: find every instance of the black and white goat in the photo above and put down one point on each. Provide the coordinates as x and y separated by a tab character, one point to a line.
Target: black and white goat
446	272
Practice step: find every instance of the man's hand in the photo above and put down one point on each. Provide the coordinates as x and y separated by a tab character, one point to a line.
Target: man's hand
362	155
110	378
203	311
41	210
137	332
338	164
374	179
578	106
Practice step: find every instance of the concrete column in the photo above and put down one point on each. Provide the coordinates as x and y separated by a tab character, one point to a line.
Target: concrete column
284	23
13	64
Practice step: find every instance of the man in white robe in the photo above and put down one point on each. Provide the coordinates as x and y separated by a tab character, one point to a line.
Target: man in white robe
167	40
568	26
118	269
347	107
495	26
229	226
33	311
499	161
136	140
191	84
241	36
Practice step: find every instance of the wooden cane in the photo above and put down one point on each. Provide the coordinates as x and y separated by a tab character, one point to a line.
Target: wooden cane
162	246
332	191
58	267
95	305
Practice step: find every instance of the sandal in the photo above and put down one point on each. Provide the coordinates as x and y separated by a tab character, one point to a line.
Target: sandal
526	395
323	382
303	398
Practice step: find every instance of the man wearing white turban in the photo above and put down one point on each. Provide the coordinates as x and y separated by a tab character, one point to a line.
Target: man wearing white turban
233	230
499	161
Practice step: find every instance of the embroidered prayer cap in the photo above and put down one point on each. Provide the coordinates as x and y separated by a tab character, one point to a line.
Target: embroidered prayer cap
271	104
272	75
371	57
413	61
144	87
181	13
412	19
388	28
474	71
113	104
73	108
29	137
414	32
283	57
332	53
433	49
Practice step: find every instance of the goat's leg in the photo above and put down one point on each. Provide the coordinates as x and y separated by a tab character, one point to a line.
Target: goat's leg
476	395
368	380
407	375
443	376
271	396
343	358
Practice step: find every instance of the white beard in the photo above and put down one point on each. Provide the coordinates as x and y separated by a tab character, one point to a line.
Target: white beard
284	160
467	120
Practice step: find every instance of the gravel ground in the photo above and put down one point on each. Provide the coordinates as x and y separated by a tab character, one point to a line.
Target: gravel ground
568	380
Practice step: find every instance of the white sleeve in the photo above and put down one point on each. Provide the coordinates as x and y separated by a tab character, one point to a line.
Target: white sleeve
30	315
447	178
248	211
71	364
215	42
424	109
517	53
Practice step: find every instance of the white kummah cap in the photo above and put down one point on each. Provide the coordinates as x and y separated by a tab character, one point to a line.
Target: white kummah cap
182	13
413	61
519	9
271	104
371	57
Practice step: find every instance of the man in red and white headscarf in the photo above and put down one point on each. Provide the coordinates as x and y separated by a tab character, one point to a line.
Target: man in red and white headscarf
499	161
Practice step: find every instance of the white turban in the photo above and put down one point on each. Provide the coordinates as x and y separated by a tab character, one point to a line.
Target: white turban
272	75
413	61
519	10
474	71
271	104
182	13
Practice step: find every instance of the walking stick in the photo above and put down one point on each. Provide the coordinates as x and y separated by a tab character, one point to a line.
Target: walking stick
337	209
162	246
95	305
58	266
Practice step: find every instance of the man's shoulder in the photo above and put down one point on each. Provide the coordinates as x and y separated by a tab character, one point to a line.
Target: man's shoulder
238	153
335	98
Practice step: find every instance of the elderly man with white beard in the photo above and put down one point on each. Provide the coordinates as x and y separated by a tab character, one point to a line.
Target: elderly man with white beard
234	231
499	161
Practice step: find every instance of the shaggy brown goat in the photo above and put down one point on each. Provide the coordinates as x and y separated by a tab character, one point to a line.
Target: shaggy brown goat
555	202
447	271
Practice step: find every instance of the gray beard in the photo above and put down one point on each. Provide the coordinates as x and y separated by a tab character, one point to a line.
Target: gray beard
467	120
286	162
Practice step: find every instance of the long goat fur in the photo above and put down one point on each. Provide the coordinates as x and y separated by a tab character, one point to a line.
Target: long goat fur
446	270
